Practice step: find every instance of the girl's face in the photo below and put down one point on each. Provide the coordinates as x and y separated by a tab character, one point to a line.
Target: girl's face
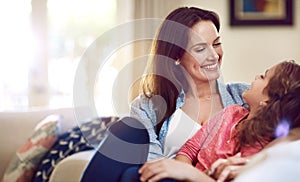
203	57
256	95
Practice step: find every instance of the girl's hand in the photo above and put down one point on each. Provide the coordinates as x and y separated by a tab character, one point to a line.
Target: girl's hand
227	169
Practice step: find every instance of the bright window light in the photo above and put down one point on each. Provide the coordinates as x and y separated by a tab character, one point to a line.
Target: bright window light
71	27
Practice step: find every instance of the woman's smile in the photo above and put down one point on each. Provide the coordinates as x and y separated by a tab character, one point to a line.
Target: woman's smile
210	67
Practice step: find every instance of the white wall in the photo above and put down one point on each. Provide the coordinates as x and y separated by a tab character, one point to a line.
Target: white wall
247	50
250	50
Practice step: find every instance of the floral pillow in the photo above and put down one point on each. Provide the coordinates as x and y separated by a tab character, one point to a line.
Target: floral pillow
80	138
26	160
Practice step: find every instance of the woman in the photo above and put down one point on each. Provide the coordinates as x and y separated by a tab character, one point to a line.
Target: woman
272	98
182	78
181	82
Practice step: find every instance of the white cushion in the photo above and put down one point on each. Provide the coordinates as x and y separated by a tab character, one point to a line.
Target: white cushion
71	168
278	163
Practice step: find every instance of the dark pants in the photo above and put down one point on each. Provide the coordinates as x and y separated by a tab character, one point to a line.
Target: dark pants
126	145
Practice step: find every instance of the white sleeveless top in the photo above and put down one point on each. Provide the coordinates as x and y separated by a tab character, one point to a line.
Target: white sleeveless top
181	128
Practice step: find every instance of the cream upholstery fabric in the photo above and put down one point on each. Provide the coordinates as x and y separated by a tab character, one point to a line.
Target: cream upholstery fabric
71	168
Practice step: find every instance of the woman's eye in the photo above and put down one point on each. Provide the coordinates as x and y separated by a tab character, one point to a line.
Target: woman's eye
217	44
199	49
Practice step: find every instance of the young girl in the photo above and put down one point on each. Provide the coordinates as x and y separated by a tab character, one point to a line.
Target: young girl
240	130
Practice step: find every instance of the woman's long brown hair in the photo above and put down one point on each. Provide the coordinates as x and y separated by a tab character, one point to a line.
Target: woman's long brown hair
163	77
283	107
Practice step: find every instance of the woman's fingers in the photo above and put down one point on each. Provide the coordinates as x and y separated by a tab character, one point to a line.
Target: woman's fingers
166	168
216	165
237	159
149	172
150	169
149	163
227	168
158	177
229	172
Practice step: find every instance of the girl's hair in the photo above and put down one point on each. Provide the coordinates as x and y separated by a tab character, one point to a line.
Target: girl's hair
163	77
282	110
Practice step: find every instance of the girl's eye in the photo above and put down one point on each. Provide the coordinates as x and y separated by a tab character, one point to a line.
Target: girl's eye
217	44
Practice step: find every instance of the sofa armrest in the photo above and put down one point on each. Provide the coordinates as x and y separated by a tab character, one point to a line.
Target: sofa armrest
17	127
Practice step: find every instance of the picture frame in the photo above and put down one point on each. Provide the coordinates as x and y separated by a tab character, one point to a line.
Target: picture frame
261	12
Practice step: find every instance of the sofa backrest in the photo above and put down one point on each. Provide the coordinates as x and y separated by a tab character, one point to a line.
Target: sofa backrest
17	127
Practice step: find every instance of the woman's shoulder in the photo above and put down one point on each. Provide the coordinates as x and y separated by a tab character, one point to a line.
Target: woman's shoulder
233	86
237	86
231	93
141	102
142	108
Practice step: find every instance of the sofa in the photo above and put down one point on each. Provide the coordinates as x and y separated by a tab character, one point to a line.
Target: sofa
17	127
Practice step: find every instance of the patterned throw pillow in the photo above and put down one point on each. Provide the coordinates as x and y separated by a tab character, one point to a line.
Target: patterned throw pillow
24	164
85	137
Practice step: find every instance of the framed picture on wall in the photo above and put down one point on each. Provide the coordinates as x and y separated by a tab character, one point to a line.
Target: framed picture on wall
261	12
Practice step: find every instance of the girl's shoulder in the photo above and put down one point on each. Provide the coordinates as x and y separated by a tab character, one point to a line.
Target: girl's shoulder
235	108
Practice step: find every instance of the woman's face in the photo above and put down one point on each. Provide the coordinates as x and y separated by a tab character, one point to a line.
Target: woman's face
256	93
203	57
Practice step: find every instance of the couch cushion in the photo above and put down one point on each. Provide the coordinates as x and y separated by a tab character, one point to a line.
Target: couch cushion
80	138
72	167
26	160
17	126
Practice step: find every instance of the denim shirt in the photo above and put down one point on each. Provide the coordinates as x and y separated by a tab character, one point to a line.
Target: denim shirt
143	109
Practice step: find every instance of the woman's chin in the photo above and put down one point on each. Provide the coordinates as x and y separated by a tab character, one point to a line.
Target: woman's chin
213	76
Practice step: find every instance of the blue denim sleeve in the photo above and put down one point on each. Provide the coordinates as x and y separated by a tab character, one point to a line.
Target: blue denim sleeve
237	89
231	93
142	109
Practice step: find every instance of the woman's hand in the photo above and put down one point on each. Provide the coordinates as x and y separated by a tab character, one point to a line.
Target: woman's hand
162	168
227	169
169	168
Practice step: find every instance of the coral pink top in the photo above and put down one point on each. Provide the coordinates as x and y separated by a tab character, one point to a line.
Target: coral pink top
214	140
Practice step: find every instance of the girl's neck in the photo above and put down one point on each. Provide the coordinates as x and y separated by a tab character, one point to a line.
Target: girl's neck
252	111
294	134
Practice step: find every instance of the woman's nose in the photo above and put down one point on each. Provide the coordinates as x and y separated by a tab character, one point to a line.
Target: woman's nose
213	55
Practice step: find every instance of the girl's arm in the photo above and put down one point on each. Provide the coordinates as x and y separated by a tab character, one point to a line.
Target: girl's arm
183	158
192	146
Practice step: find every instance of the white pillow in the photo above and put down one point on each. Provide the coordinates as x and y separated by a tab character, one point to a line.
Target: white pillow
71	168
